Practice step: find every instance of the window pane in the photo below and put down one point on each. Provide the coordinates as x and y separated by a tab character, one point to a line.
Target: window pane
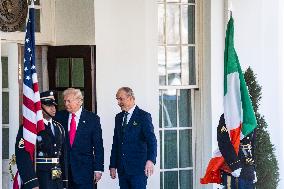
186	179
77	72
162	65
188	1
161	149
5	107
185	148
161	180
170	108
4	61
187	24
170	148
171	180
62	72
172	24
60	100
174	65
5	143
184	108
160	110
161	23
188	62
37	20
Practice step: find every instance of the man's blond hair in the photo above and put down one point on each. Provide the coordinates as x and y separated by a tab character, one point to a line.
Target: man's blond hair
76	92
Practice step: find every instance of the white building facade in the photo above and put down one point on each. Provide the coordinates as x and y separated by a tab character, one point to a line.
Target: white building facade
170	53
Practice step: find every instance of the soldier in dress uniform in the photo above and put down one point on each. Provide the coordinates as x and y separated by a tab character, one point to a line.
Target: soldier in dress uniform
48	170
242	174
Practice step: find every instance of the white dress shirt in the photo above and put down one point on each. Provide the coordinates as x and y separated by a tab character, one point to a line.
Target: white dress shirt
51	125
130	112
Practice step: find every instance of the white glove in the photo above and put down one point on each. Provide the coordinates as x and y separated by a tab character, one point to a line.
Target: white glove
255	178
237	172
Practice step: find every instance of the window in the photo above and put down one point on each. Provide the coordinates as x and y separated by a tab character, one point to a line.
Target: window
176	43
37	16
73	66
5	109
177	83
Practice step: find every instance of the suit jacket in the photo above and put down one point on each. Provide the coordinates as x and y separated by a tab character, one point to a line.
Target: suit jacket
135	145
47	146
244	158
87	152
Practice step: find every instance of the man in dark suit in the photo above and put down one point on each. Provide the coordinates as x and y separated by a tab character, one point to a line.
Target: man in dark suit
242	173
50	151
134	147
84	141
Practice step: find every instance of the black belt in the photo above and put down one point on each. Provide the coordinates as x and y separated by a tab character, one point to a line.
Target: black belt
47	160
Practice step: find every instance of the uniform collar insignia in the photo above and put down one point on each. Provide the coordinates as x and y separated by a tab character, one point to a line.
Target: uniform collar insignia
21	143
223	129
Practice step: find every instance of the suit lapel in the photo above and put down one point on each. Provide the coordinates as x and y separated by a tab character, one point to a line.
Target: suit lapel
65	121
134	115
65	125
120	119
81	124
82	120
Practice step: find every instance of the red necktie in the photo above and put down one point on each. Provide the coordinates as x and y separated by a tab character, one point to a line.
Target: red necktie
72	131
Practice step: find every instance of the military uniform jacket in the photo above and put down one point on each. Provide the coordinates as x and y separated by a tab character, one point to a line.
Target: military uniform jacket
244	158
48	145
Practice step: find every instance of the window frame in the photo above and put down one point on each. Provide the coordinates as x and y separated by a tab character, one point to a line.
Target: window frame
180	44
196	96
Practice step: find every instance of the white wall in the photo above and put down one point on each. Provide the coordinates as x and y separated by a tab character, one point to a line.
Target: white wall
259	44
126	56
218	12
217	39
74	22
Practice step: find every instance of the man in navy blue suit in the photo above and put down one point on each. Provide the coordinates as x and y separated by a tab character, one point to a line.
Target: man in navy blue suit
84	141
134	147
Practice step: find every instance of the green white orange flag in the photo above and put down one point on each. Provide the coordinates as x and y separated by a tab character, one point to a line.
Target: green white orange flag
238	111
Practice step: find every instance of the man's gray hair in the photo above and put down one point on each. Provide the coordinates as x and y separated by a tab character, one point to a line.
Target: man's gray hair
128	91
76	92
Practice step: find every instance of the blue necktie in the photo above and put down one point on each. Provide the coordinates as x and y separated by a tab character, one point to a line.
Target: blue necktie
124	124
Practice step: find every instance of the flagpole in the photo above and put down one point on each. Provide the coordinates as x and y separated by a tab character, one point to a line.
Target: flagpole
35	151
230	9
32	4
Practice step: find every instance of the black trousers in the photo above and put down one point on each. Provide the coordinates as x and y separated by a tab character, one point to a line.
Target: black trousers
230	182
46	182
73	185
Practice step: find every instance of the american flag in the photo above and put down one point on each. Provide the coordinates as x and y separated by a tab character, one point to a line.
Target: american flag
32	114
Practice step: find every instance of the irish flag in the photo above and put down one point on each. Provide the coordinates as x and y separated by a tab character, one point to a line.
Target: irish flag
238	111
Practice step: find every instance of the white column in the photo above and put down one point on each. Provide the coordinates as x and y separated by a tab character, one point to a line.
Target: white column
13	94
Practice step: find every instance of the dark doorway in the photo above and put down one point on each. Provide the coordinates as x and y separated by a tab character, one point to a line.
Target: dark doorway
73	66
